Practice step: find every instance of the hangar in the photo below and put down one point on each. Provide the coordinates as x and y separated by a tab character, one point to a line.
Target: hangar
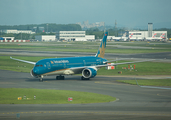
145	35
45	37
71	35
74	36
18	31
148	35
7	38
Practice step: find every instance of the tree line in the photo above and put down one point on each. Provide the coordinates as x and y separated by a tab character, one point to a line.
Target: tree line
49	27
39	29
52	28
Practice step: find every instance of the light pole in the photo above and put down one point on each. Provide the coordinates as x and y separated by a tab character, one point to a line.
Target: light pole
21	35
47	28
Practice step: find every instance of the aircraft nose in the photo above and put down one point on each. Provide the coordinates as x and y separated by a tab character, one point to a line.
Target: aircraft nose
36	71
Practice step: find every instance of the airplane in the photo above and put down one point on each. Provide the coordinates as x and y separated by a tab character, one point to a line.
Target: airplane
87	65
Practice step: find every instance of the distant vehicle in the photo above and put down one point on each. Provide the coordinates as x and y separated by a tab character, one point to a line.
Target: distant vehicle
1	38
8	38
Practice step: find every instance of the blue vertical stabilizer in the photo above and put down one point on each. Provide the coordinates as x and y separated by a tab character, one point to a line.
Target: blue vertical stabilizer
101	50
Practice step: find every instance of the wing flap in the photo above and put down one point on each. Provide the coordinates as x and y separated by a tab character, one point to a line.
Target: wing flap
114	64
79	69
131	62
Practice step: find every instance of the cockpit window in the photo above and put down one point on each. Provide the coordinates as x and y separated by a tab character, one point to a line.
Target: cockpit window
39	65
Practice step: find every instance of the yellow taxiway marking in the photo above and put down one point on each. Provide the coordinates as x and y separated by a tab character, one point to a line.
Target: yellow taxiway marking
7	83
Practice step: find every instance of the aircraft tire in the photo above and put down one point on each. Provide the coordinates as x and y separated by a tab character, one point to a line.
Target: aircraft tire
83	78
60	77
41	80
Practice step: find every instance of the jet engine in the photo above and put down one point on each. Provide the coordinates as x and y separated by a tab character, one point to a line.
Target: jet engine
89	73
33	74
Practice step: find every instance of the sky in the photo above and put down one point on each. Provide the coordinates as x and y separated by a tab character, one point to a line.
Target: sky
127	13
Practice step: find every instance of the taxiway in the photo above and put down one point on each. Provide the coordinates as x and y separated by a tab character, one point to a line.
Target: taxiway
133	102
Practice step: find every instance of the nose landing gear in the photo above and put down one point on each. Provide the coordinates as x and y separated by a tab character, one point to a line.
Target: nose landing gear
41	78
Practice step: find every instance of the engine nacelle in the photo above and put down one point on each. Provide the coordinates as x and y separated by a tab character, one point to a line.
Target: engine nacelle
89	73
33	75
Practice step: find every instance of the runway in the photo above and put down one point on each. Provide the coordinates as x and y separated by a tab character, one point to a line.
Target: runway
133	102
160	57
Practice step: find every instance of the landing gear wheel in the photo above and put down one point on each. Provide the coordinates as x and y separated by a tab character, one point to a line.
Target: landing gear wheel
60	77
83	78
41	79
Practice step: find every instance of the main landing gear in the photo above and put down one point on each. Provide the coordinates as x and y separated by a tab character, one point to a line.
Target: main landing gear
60	77
83	78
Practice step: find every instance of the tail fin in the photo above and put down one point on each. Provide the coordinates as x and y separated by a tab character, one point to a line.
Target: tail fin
101	50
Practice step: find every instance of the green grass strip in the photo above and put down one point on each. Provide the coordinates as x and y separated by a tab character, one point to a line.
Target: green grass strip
144	68
151	82
91	47
46	96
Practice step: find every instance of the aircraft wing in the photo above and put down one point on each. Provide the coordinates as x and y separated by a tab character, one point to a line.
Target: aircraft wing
24	61
114	64
130	62
117	60
105	65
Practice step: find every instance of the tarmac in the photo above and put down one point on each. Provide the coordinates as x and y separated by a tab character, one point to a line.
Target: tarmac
159	57
133	102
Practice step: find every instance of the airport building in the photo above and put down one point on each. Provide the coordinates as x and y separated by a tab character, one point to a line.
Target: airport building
7	38
45	37
74	36
141	36
90	37
19	31
146	35
71	35
11	39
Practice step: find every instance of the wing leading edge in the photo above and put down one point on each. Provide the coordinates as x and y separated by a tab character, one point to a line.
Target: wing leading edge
24	61
105	65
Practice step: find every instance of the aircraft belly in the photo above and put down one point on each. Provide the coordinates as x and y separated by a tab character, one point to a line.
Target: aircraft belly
60	72
77	71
